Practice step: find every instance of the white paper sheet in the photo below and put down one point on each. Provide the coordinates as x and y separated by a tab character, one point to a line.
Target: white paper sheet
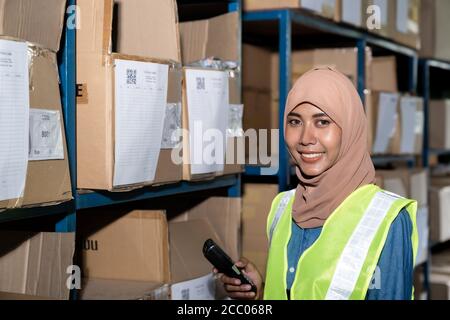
314	5
351	11
46	142
408	107
207	98
382	4
14	118
402	16
140	97
387	116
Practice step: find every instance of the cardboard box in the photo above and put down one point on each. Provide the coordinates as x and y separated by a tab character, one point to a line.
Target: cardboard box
36	263
352	12
324	8
439	286
383	71
96	105
125	255
439	124
435	27
18	296
439	215
408	183
36	21
407	24
384	121
217	37
147	29
257	200
387	14
47	181
223	214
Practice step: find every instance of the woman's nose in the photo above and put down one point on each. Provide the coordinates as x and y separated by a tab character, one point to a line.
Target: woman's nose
308	136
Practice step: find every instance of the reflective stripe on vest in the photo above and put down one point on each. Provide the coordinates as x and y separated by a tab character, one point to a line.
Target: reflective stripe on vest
341	262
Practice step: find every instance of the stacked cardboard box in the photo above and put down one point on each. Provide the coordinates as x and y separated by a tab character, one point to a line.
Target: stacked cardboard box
440	276
212	39
412	184
257	201
439	124
324	8
435	27
131	149
44	157
439	204
140	255
37	264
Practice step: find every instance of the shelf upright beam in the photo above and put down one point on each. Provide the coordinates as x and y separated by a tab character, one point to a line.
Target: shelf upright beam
67	70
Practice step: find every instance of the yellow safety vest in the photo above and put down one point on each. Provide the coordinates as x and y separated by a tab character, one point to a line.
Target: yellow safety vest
342	261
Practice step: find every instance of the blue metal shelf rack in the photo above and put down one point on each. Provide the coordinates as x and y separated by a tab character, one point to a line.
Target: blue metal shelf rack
284	21
84	200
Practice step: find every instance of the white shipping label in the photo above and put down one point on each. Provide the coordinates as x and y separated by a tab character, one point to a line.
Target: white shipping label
383	6
202	288
140	106
314	5
387	117
408	107
402	15
351	11
14	118
207	104
46	142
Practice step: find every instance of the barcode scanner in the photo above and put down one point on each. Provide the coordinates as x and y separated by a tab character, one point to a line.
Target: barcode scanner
222	262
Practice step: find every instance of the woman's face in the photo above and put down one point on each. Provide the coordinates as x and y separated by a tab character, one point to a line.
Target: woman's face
313	139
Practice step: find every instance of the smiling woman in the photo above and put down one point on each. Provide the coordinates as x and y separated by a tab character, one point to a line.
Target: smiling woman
337	235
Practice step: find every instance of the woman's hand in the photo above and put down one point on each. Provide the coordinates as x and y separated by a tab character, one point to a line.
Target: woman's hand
242	292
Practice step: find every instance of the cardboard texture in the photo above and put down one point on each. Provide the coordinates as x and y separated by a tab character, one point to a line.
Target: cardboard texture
148	28
388	18
439	215
36	21
48	181
125	255
383	74
257	200
36	263
324	8
223	215
439	124
411	184
407	15
95	103
217	37
435	27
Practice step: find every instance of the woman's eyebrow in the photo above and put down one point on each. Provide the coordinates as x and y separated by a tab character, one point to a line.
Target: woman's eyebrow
294	114
320	115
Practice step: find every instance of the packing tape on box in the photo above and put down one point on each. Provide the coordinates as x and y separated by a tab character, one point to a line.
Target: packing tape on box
235	114
172	125
232	67
34	51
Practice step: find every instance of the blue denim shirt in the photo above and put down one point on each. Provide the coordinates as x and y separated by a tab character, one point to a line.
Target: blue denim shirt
393	277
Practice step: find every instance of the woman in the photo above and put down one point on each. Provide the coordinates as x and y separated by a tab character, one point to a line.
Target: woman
337	236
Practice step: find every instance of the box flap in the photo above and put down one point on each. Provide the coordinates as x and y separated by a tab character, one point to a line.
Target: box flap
103	289
217	37
36	264
148	28
186	242
123	245
37	21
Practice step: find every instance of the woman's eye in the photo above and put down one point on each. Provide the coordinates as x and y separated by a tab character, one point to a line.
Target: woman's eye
323	123
295	122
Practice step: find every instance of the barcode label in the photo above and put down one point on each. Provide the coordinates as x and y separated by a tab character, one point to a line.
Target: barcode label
200	83
131	76
185	294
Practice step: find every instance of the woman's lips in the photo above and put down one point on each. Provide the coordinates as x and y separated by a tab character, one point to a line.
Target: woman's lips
310	157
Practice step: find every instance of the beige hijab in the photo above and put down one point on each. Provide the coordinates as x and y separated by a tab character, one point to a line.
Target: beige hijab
316	198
